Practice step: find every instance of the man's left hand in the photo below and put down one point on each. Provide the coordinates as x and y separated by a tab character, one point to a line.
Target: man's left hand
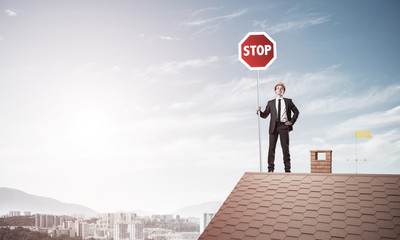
288	123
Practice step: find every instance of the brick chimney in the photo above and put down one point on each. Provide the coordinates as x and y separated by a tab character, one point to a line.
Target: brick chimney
321	161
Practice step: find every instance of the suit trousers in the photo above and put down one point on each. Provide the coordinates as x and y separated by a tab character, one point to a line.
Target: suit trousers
282	131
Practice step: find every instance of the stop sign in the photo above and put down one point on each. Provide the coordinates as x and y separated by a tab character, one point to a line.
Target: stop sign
257	50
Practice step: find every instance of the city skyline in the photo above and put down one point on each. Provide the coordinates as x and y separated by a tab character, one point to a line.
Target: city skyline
145	105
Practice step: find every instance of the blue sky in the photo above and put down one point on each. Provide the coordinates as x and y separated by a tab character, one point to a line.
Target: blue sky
128	105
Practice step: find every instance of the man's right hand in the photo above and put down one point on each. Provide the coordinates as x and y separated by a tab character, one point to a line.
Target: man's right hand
258	108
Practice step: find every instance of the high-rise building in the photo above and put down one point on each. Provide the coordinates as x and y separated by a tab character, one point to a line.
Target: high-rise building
46	221
71	226
49	221
206	219
128	231
14	213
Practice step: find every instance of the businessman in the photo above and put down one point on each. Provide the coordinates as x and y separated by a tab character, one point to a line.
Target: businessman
281	123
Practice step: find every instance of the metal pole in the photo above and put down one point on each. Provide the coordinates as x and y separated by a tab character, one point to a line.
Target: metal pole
356	152
258	118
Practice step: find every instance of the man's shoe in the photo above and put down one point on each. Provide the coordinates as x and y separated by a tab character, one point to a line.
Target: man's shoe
270	170
288	171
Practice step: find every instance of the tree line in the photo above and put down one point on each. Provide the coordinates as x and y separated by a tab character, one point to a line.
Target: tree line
26	234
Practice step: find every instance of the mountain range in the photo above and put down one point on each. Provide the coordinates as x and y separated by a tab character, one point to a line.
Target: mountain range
17	200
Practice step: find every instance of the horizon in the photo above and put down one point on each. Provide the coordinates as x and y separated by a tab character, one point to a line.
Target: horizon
145	105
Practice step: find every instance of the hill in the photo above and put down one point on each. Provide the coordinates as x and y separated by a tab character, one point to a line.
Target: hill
16	200
198	209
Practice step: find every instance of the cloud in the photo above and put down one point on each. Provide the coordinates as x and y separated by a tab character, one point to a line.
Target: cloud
342	101
175	66
294	9
182	105
11	13
368	121
201	22
291	25
208	25
116	68
382	149
168	38
203	10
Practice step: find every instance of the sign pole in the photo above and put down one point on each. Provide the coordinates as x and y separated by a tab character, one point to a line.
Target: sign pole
257	51
258	119
356	152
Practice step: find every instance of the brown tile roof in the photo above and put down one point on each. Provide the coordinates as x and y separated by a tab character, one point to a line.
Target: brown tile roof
309	206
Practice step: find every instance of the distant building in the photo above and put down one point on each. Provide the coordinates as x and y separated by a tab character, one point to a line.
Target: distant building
78	215
163	218
111	219
206	219
14	213
27	214
49	221
70	225
82	229
40	220
128	231
188	236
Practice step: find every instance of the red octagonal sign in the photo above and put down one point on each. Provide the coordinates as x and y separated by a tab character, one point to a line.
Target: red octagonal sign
257	50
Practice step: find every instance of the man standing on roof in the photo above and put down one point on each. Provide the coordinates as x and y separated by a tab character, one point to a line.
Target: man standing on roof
281	123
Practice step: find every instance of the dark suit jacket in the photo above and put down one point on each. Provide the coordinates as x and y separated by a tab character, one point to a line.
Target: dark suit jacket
271	108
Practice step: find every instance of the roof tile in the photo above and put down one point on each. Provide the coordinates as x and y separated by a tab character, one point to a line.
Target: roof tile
338	224
386	224
338	232
308	229
295	224
387	233
256	224
266	229
353	230
293	232
232	221
354	221
252	232
353	237
324	227
278	234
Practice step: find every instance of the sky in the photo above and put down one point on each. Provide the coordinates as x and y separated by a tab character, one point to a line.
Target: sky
123	105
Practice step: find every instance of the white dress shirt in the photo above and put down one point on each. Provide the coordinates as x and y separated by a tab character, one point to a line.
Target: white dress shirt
283	116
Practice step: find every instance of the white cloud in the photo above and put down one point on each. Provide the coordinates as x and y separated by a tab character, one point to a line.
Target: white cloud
368	121
168	38
182	105
216	19
343	101
291	25
382	149
177	66
117	68
11	13
203	10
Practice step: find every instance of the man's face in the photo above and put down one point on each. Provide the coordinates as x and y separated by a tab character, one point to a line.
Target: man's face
279	90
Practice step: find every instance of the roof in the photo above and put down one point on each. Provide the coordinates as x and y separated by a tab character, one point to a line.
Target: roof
309	206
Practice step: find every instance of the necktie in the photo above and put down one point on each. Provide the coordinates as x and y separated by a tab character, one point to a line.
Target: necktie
279	110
